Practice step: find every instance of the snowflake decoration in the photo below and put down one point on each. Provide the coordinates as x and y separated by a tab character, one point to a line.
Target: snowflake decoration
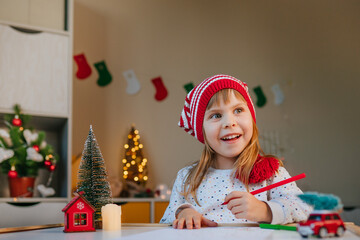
80	205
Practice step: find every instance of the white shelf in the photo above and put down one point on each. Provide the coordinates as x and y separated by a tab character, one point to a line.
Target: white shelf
57	199
35	28
32	200
34	113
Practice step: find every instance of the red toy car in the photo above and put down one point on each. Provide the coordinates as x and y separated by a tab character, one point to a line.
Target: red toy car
322	224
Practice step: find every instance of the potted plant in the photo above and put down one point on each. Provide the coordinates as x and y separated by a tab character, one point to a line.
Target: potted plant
23	151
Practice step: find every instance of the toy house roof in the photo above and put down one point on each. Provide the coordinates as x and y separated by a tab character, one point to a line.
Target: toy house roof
75	199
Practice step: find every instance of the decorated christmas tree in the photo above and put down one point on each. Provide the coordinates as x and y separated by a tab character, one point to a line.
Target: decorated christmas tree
134	163
22	149
92	177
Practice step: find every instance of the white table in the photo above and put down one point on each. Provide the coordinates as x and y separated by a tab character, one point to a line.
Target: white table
161	232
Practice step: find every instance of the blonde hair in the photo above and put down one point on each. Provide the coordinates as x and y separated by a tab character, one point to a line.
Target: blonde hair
242	166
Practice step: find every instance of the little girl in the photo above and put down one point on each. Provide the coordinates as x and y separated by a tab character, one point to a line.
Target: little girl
220	114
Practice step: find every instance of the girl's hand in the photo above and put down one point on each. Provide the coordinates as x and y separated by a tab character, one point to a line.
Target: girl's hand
189	218
245	205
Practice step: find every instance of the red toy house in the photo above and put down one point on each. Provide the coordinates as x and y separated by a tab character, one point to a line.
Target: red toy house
79	215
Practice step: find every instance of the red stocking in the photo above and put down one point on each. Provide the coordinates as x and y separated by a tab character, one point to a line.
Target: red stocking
161	91
84	69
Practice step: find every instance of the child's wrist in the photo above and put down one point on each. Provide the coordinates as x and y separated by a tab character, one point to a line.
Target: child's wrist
268	214
180	210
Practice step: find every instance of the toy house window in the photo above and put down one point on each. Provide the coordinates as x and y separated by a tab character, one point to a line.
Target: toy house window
80	219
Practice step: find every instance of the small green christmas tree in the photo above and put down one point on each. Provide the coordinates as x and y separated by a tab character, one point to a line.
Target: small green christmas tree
135	165
92	177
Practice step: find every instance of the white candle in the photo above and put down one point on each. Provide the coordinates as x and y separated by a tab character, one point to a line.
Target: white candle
111	217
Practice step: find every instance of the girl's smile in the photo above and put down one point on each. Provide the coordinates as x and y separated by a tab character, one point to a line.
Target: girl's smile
230	138
228	127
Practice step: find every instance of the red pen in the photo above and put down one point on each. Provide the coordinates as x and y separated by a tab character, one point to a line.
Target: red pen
278	184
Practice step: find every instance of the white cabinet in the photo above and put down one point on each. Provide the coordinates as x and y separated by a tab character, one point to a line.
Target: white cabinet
34	71
39	13
33	214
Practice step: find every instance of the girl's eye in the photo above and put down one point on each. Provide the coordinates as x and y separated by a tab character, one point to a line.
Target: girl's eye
216	115
238	110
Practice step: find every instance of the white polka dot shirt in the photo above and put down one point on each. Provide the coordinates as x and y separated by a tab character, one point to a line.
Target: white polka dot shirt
286	207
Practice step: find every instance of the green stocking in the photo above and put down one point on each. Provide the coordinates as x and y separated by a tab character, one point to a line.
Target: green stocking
188	87
104	75
261	99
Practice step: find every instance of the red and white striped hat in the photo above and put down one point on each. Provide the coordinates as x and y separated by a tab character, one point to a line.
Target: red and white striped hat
192	115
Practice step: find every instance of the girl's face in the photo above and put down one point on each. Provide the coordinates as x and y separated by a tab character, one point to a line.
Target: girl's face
228	126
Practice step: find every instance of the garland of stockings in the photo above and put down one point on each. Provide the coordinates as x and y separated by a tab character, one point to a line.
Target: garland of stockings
133	85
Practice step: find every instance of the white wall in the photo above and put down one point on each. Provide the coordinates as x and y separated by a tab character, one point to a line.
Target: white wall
311	48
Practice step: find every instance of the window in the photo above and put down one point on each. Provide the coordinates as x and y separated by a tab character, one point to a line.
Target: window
336	217
315	217
327	217
80	219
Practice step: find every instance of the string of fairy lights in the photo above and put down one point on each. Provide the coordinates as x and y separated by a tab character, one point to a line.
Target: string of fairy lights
134	164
